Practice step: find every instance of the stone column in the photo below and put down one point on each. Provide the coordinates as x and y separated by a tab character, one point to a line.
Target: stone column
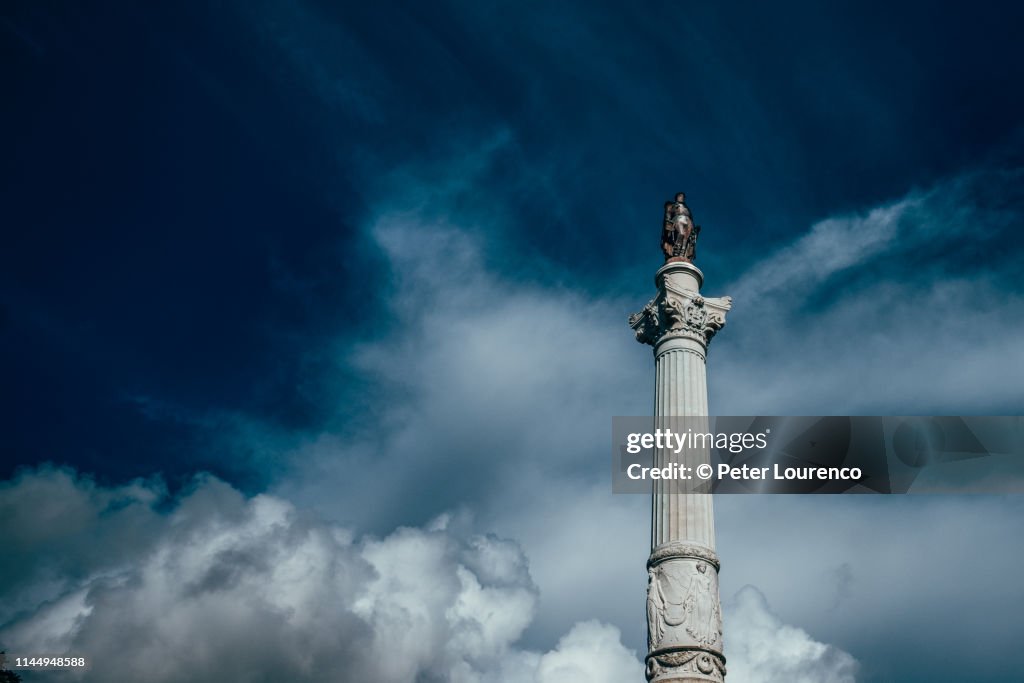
684	617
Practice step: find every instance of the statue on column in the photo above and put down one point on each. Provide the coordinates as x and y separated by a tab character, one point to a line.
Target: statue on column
679	233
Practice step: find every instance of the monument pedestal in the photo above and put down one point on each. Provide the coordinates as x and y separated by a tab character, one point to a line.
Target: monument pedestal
684	617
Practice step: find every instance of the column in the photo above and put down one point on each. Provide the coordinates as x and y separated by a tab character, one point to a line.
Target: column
684	618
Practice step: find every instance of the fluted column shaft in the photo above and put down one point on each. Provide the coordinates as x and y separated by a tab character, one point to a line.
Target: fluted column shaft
681	391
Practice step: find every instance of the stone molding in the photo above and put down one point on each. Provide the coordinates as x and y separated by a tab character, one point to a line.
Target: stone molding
691	664
681	550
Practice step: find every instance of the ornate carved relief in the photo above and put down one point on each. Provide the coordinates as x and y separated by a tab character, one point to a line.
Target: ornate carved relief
682	605
691	663
646	323
681	549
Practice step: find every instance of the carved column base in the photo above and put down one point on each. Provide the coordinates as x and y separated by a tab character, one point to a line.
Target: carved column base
680	666
684	616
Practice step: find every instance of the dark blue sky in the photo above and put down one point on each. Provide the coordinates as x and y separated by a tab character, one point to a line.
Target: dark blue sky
181	184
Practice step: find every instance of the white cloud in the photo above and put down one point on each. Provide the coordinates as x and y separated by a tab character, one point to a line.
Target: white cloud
762	649
589	653
248	588
830	247
237	588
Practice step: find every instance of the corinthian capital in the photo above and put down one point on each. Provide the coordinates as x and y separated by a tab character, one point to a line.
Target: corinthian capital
680	313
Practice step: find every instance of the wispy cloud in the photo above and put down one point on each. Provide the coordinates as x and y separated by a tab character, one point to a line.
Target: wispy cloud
908	308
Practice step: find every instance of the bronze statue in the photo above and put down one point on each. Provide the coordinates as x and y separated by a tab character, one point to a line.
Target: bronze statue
678	233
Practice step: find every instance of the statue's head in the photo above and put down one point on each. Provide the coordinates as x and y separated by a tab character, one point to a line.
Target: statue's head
701	567
681	197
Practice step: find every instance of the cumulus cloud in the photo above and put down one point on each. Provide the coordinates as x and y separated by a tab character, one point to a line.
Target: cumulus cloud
221	586
229	587
762	649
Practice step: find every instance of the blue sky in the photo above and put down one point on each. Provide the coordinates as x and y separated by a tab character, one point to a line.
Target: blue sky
359	263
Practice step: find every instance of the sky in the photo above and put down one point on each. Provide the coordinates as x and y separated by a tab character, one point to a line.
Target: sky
312	326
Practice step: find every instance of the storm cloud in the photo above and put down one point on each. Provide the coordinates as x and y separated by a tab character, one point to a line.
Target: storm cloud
227	587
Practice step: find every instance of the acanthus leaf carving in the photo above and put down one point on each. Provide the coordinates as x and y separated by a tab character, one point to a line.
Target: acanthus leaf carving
646	323
680	314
